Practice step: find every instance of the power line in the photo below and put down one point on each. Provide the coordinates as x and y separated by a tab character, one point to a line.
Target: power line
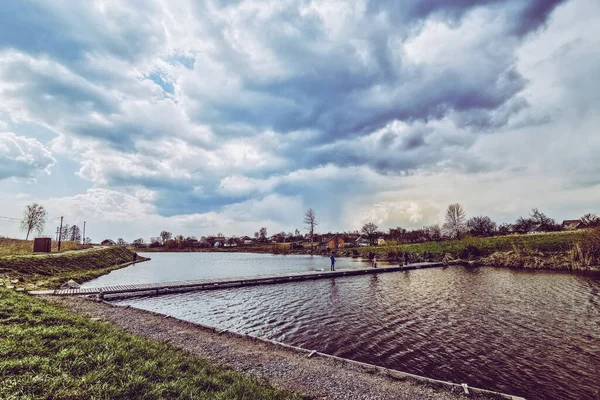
19	219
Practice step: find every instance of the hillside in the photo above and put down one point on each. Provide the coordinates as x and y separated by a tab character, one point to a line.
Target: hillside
50	270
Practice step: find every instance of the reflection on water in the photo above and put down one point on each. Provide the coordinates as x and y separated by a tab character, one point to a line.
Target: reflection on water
528	333
169	267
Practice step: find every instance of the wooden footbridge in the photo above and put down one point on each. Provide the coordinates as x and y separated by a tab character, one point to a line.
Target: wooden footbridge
221	283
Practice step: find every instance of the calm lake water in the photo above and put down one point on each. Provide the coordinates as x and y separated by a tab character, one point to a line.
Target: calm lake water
169	267
529	333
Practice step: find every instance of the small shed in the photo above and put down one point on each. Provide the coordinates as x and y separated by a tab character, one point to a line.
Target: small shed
42	245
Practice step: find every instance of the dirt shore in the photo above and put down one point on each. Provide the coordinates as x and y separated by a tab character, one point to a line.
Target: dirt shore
315	377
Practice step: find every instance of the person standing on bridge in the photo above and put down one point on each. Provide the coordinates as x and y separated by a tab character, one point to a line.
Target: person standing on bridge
332	258
374	261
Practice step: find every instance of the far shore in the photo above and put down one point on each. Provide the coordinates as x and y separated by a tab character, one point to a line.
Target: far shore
552	251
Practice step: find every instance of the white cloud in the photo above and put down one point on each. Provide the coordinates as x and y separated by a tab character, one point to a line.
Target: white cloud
23	157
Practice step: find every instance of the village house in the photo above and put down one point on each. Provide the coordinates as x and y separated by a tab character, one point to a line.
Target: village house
108	242
362	242
219	241
334	242
572	224
247	240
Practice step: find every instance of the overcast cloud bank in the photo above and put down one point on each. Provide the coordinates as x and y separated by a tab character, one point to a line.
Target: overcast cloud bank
206	117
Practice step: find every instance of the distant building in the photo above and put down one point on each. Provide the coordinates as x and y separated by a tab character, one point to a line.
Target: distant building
108	242
380	241
247	240
572	224
219	241
334	242
362	242
537	229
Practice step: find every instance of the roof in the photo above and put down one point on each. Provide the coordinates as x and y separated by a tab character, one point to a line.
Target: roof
108	241
572	224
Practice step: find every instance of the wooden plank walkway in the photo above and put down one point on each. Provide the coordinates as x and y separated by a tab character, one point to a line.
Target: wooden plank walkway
220	283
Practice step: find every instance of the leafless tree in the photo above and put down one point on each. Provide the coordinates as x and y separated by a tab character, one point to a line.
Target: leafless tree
74	234
164	236
590	220
481	226
433	232
455	221
310	220
34	218
370	229
262	234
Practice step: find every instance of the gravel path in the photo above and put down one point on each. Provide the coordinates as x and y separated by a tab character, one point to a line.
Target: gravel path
316	377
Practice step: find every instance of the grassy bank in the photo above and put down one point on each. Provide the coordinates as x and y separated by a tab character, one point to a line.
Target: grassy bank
50	270
47	352
13	247
478	247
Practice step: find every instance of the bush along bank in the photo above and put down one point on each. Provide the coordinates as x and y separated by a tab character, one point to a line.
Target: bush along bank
50	270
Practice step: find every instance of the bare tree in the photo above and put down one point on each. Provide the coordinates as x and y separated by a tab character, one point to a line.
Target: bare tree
74	234
34	218
590	220
370	229
164	236
481	226
455	221
433	232
64	234
262	234
543	221
121	242
310	220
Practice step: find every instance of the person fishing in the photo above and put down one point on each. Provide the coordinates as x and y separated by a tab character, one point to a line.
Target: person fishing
405	258
332	258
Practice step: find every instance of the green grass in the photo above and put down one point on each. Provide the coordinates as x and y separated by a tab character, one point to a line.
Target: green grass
549	242
12	247
50	353
49	270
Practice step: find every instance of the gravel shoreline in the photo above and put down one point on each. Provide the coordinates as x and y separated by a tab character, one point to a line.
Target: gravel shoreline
315	377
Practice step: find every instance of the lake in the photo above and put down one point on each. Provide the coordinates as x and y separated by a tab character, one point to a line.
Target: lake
169	267
530	333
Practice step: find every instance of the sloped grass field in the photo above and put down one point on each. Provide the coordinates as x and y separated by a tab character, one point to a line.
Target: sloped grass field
20	247
51	269
49	353
479	247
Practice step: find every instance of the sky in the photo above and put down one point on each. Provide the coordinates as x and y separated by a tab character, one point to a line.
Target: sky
223	116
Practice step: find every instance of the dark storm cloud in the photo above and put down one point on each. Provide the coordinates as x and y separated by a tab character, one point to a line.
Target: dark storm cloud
332	92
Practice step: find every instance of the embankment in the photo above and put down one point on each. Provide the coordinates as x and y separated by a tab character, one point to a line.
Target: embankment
50	270
573	251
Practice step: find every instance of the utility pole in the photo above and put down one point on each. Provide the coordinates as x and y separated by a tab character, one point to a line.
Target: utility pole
60	234
83	238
